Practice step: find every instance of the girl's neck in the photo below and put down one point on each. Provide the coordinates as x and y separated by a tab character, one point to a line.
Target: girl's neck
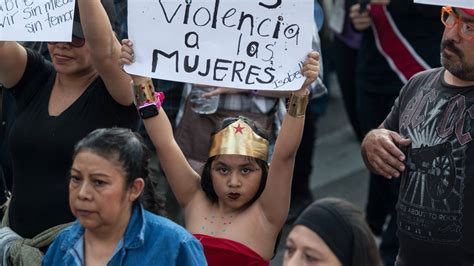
222	210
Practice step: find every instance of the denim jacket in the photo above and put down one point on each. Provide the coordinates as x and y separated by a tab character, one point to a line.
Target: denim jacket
148	240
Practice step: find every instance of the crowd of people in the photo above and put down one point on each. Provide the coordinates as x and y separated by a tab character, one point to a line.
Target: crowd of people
84	160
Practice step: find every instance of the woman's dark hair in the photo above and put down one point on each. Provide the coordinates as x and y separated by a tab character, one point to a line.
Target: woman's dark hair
206	180
343	228
129	151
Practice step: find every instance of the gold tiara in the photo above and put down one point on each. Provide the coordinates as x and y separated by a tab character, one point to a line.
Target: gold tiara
239	138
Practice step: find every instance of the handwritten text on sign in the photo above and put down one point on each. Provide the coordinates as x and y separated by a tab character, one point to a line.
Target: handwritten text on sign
36	20
234	43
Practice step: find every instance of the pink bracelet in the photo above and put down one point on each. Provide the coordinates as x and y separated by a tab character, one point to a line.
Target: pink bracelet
145	95
159	99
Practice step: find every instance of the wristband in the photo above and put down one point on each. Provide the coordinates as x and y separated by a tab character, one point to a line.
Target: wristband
151	109
297	105
144	93
147	101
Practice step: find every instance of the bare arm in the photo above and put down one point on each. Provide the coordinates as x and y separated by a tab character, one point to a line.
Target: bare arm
275	199
381	153
105	50
184	181
13	60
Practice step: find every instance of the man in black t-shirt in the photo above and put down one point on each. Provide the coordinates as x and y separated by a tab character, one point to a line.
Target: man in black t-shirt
427	141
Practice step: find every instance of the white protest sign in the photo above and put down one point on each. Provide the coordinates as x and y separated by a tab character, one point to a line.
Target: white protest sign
245	44
453	3
36	20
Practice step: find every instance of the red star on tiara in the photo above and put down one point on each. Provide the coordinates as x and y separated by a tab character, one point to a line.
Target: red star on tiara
238	129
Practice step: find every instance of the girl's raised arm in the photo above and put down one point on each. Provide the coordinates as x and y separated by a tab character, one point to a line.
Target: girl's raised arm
184	181
275	199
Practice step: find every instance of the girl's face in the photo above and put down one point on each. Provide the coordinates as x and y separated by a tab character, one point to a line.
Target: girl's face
97	192
305	247
235	179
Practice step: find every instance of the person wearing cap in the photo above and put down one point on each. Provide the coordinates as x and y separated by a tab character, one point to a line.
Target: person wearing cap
331	232
82	89
239	204
426	141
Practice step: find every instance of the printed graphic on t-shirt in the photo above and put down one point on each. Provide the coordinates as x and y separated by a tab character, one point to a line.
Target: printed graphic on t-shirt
431	192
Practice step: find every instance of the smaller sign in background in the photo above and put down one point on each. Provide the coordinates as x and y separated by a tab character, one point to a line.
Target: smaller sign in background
36	20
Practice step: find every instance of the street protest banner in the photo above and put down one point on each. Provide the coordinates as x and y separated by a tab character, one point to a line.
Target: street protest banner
36	20
453	3
234	43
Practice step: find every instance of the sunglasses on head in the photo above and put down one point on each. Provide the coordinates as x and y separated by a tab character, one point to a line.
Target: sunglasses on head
75	42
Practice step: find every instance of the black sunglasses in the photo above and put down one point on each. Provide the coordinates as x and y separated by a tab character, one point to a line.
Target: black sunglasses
75	42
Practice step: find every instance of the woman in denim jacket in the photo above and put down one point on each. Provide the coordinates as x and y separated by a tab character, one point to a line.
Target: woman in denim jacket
107	193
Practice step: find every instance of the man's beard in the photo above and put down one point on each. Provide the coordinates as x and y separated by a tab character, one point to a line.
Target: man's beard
460	69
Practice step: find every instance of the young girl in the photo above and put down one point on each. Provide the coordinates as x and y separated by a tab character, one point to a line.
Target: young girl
239	204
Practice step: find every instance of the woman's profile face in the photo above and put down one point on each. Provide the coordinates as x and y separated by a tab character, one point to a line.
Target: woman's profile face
97	192
236	179
304	247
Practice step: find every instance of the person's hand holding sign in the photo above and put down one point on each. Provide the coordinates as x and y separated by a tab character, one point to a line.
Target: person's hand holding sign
127	58
310	70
